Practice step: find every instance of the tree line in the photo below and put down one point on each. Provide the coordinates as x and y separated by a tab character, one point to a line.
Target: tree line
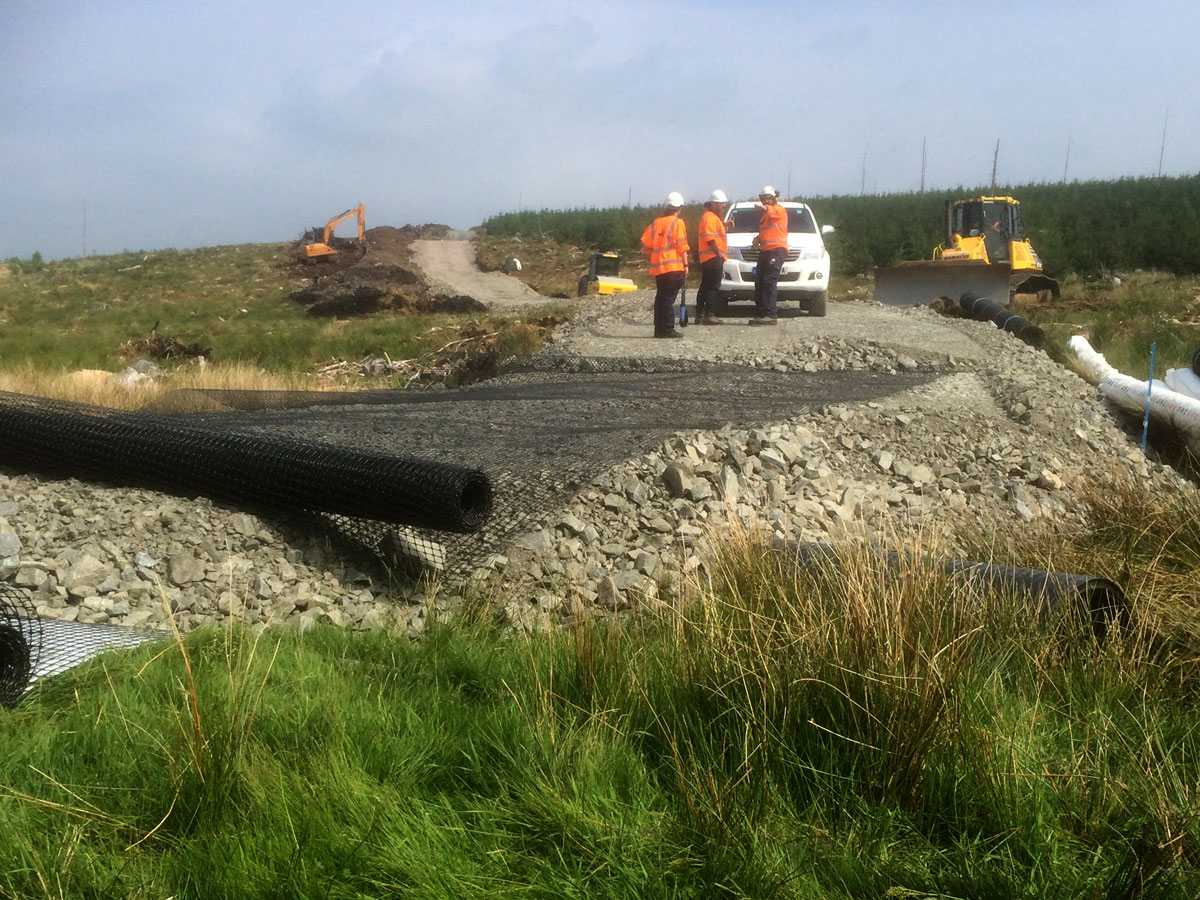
1076	227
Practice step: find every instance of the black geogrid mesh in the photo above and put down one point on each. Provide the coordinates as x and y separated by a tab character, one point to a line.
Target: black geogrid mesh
32	649
521	444
260	470
20	643
541	429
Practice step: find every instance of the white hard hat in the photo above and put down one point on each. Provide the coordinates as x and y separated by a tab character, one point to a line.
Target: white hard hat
768	191
718	196
675	199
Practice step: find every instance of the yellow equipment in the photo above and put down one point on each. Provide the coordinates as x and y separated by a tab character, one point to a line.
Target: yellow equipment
986	253
316	249
603	276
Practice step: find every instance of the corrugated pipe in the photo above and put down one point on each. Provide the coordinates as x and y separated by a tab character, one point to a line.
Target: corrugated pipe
1185	381
988	311
1099	600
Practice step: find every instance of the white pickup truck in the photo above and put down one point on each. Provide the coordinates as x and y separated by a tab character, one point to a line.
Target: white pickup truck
805	274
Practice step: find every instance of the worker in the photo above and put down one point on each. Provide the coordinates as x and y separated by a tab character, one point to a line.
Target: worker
665	241
712	246
772	251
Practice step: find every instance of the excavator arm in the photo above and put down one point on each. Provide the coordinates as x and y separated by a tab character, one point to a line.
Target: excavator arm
323	248
338	220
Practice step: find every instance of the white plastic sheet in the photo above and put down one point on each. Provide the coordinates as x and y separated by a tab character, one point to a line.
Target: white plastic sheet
1185	381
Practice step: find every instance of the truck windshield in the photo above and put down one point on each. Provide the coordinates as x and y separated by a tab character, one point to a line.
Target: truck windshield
745	221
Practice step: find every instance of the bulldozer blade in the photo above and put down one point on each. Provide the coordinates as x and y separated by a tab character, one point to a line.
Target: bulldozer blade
921	282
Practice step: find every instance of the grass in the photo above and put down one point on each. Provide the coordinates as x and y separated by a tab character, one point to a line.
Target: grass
1122	321
81	314
836	732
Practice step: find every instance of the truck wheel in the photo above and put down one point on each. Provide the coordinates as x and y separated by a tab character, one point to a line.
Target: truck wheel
816	306
583	286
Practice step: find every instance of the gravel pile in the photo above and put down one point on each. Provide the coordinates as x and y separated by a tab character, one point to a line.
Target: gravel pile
1002	436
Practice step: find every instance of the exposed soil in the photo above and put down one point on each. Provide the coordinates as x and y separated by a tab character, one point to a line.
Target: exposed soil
374	276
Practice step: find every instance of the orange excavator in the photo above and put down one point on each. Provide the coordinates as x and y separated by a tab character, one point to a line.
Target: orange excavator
318	243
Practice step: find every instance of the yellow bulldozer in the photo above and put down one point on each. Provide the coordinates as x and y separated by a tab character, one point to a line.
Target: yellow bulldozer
986	253
319	243
604	275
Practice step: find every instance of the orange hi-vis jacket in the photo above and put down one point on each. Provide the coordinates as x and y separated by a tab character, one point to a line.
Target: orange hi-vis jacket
712	231
665	239
772	228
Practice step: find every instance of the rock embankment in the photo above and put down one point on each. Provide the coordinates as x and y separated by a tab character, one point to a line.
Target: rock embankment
1004	436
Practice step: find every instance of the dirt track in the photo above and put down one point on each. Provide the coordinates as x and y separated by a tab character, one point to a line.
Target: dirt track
450	269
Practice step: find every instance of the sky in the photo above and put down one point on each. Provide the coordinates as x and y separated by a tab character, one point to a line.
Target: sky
154	124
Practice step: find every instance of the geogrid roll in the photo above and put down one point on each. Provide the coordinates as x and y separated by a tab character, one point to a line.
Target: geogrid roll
1098	601
165	453
20	644
986	310
32	648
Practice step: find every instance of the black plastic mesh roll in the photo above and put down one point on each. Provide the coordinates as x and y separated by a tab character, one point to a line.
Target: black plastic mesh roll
541	430
32	648
20	644
164	453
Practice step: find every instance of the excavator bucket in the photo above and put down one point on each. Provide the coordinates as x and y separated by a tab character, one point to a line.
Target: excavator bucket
921	282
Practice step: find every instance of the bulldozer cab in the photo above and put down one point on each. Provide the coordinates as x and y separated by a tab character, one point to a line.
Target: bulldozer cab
603	275
607	264
996	221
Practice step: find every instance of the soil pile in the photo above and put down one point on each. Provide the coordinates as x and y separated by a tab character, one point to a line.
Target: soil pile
374	276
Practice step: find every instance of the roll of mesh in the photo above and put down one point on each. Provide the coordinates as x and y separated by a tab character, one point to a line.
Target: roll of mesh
20	641
163	453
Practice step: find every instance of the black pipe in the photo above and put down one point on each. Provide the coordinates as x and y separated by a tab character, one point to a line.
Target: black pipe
162	453
987	310
1101	600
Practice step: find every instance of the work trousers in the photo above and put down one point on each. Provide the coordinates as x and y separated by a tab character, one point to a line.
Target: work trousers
669	286
710	280
766	282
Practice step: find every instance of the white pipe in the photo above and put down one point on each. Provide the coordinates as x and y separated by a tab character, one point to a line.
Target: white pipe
1168	406
1094	364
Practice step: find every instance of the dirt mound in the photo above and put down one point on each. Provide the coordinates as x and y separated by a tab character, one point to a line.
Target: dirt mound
374	276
